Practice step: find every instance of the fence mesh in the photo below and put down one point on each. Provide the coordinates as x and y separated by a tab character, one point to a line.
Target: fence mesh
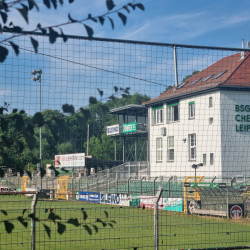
183	128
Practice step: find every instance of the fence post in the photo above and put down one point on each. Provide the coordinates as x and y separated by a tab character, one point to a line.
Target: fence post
117	185
33	222
156	218
107	185
154	184
129	183
87	188
141	185
97	179
169	185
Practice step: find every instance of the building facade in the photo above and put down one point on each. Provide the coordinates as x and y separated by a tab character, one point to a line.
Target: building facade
205	119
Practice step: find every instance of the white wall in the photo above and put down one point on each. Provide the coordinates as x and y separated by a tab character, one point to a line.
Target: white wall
208	138
235	144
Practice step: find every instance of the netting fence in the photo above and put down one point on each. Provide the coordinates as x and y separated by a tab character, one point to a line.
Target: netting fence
170	116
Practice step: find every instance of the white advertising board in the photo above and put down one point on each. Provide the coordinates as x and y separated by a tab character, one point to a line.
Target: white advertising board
113	130
70	160
124	200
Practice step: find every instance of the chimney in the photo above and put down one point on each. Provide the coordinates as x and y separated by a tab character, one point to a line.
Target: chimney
242	52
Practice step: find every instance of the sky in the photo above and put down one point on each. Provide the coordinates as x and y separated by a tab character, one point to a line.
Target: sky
73	79
214	23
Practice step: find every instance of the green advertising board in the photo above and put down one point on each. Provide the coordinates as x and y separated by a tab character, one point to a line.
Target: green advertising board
129	127
205	184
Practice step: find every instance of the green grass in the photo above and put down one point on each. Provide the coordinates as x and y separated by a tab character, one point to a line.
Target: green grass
134	228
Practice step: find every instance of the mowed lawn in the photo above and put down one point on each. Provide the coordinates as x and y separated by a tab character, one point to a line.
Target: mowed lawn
134	228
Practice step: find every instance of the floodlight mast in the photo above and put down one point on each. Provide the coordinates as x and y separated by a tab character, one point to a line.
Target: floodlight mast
37	77
195	166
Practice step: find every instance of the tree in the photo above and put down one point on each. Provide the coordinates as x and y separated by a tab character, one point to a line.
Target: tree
53	30
188	76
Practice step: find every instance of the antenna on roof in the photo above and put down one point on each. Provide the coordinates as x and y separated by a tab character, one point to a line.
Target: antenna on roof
242	52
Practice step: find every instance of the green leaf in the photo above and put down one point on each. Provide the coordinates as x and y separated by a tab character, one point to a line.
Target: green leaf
38	119
14	111
4	16
43	172
112	98
4	212
131	5
1	29
21	220
52	35
96	228
71	19
30	129
47	3
110	4
22	112
140	6
81	120
39	26
60	228
32	3
28	173
8	227
4	124
65	38
60	122
100	92
111	225
17	29
19	122
34	44
24	12
73	222
54	2
52	216
126	8
88	229
35	160
113	221
116	89
91	18
112	22
71	1
31	141
68	109
53	130
127	90
2	173
89	31
101	20
123	17
47	229
85	216
100	221
86	113
92	100
106	214
3	53
61	2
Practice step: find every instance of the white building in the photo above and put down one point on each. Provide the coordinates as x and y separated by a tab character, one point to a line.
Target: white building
205	119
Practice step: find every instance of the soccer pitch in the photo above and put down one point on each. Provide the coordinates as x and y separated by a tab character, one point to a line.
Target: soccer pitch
134	227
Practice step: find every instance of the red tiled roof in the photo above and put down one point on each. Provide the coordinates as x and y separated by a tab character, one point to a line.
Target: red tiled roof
238	74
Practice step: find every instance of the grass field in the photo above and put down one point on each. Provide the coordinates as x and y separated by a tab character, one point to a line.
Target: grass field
134	228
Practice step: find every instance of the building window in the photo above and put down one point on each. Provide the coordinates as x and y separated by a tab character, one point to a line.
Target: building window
191	106
210	102
204	159
192	146
173	112
158	115
211	159
158	149
211	121
171	148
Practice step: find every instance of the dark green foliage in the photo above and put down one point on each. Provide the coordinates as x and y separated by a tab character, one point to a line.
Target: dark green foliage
4	212
89	30
52	35
48	230
112	22
38	119
8	227
101	20
101	221
188	76
52	216
73	222
123	18
24	12
22	221
61	228
3	53
110	4
88	229
35	44
95	228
